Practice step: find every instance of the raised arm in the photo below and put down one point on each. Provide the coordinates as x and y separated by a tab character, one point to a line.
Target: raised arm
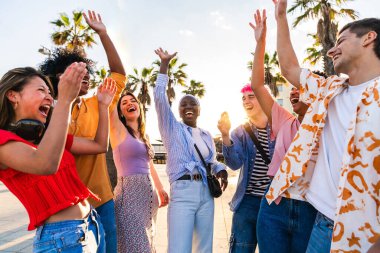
85	146
257	78
45	159
289	65
166	118
94	20
117	129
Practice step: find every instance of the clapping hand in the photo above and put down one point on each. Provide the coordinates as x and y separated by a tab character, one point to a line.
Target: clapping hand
70	81
106	92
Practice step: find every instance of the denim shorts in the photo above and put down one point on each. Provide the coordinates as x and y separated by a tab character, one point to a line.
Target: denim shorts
86	235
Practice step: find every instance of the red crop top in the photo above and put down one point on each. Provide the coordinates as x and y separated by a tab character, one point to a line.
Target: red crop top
43	196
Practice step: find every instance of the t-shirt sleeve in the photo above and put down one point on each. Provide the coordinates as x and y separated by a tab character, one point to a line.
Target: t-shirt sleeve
120	80
69	141
279	116
6	136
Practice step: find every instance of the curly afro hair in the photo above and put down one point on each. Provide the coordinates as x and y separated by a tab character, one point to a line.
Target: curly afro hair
59	60
320	73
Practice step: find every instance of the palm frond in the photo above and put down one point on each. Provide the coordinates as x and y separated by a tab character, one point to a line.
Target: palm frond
65	19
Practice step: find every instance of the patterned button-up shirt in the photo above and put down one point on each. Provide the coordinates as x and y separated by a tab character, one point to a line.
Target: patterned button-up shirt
357	218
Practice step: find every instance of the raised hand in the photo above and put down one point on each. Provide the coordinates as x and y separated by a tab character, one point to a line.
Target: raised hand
165	58
94	20
224	124
260	26
106	91
70	81
164	55
280	8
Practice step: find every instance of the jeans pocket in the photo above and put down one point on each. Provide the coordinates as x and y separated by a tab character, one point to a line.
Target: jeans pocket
44	246
69	240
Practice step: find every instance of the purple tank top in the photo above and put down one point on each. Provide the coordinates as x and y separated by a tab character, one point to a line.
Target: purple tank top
131	157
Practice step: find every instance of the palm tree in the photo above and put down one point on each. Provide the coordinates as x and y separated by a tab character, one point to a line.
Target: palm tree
176	76
195	88
99	76
72	33
326	11
314	53
144	80
271	72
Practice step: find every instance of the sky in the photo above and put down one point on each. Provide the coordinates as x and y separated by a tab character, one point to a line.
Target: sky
213	37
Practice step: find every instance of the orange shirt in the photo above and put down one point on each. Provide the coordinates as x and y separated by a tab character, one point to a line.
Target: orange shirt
92	169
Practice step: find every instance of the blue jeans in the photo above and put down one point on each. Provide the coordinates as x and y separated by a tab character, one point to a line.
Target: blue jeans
243	232
321	235
285	227
107	216
190	213
72	236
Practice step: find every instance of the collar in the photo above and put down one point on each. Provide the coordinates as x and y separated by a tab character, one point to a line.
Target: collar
190	129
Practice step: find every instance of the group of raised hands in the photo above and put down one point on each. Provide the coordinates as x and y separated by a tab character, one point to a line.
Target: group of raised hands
70	81
70	84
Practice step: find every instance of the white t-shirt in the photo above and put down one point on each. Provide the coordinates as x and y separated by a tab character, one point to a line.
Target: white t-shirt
323	191
201	144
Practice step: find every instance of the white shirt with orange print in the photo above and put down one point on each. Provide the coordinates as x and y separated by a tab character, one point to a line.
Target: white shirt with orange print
357	215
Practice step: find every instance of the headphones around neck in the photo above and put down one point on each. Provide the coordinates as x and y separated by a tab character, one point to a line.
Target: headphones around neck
29	129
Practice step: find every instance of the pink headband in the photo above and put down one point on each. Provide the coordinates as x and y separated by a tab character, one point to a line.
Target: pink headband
246	88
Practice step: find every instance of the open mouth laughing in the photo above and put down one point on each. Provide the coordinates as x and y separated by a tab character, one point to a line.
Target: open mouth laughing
294	100
44	110
248	108
132	109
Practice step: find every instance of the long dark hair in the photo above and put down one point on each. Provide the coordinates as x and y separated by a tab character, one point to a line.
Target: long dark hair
16	79
140	121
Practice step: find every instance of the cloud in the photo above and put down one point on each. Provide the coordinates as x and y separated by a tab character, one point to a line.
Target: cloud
186	33
219	20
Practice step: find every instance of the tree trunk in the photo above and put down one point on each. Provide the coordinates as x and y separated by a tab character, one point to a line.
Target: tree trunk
327	31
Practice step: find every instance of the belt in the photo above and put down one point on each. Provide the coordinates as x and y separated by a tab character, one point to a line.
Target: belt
196	177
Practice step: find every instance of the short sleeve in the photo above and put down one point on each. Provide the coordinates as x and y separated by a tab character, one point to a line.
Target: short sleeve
279	116
120	80
6	136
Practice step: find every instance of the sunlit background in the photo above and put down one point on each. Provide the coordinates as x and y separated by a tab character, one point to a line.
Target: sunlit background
213	37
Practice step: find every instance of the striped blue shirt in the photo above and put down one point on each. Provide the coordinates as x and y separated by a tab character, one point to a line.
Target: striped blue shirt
178	141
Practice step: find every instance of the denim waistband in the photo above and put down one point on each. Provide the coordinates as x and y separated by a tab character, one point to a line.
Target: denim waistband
45	228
